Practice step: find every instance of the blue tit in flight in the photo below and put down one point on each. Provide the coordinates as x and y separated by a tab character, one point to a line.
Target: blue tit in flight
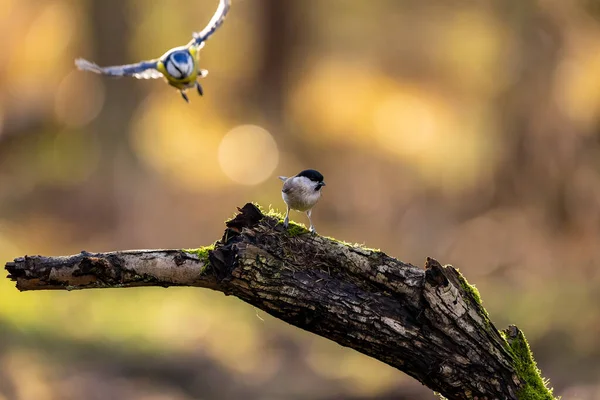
178	66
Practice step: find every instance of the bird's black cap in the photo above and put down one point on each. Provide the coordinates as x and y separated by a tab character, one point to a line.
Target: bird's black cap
312	174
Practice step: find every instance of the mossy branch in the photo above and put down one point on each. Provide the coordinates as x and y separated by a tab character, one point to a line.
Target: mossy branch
429	322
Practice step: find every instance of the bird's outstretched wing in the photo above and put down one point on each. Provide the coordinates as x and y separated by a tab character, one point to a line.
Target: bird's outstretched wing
215	22
141	70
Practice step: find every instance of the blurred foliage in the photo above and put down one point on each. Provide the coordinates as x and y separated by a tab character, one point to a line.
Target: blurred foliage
468	131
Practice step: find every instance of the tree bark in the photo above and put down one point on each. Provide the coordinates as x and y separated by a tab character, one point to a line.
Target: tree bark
428	323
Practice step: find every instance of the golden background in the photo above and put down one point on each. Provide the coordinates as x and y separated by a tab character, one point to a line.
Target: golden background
468	131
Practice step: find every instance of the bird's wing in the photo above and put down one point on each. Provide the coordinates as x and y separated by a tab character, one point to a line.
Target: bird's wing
141	70
215	22
287	185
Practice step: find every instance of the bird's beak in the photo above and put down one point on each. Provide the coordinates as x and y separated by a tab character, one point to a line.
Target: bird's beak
323	184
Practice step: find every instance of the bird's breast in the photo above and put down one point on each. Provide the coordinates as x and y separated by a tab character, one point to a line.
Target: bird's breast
301	200
179	67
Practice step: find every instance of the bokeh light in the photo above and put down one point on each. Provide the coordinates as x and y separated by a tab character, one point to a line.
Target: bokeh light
248	154
578	87
410	125
179	142
79	98
339	98
36	64
465	131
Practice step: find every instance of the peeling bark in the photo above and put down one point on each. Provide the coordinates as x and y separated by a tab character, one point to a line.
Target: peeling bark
428	322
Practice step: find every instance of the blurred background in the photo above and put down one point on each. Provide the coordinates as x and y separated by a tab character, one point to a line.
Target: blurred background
468	131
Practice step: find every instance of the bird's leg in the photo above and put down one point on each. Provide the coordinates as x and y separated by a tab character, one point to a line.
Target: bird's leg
199	89
312	228
184	96
286	221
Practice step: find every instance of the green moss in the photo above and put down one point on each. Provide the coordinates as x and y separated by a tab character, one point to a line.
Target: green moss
534	386
294	229
348	244
201	253
262	210
473	292
231	218
273	213
342	242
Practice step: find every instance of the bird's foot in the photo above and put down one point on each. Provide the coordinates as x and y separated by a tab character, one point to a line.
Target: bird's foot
184	96
286	222
199	89
312	230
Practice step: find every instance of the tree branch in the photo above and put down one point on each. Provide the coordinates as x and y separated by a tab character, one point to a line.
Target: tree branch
428	323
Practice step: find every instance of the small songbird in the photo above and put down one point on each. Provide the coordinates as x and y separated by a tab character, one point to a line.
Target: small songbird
301	193
178	66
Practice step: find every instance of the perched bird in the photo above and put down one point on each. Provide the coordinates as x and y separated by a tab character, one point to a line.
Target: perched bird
178	66
301	193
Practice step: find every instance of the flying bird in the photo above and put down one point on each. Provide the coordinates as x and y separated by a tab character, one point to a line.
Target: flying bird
178	66
301	193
